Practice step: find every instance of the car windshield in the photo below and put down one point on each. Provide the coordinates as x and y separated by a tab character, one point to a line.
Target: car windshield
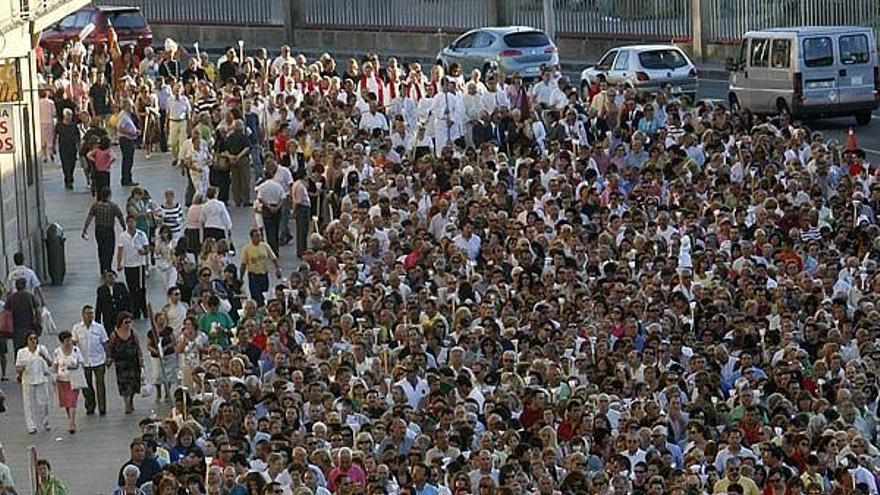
662	59
126	20
527	39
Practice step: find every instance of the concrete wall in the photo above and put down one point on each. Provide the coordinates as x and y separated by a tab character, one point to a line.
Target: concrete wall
220	36
420	45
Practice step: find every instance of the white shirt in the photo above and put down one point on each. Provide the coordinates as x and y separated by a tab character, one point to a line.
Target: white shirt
414	394
35	367
470	246
178	109
131	246
215	215
370	121
270	193
284	177
27	274
91	341
67	362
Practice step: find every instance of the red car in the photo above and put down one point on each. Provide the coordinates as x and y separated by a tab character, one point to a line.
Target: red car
130	25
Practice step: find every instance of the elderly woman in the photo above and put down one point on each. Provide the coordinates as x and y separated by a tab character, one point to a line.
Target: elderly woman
67	134
130	475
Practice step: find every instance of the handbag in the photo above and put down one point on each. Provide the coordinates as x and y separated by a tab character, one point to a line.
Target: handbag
77	378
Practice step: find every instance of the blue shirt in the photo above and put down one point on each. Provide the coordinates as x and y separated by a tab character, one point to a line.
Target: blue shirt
428	489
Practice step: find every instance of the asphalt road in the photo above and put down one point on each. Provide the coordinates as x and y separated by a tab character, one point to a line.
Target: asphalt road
867	137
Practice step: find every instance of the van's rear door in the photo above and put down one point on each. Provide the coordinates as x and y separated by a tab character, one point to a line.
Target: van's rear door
855	74
819	71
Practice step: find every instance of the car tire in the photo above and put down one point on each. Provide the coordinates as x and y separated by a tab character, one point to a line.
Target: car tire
863	117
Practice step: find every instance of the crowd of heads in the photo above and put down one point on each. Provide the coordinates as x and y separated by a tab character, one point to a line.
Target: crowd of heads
570	289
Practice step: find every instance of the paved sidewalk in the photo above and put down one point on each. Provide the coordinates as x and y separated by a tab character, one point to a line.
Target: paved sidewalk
89	461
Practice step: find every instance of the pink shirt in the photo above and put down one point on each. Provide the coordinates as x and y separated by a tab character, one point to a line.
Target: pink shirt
103	159
354	473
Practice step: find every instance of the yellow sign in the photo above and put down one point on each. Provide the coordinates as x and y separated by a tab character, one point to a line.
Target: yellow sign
10	90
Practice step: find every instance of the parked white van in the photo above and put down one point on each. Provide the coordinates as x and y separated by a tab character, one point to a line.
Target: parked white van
807	71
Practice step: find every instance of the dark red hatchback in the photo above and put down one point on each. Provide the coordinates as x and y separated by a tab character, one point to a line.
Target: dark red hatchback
130	25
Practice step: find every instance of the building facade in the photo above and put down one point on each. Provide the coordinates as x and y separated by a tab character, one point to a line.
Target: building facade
22	205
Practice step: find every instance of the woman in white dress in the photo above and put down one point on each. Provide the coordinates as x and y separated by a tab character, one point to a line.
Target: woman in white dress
165	257
69	376
195	154
32	363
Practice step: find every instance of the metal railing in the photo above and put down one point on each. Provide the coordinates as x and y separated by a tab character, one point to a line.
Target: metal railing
642	19
402	15
210	12
662	20
727	20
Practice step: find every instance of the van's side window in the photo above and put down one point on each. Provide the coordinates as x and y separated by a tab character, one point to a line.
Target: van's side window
781	58
818	52
760	52
854	49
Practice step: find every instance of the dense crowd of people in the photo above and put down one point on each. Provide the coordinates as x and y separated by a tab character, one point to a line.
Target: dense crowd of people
501	286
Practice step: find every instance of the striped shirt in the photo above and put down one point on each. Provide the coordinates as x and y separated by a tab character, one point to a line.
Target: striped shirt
206	103
172	218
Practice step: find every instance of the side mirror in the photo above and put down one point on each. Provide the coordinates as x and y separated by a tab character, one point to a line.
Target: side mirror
453	47
730	65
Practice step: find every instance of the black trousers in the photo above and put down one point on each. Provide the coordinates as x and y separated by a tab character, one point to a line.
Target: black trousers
127	147
68	164
215	233
302	215
257	284
163	133
100	180
136	280
221	180
106	238
271	224
96	389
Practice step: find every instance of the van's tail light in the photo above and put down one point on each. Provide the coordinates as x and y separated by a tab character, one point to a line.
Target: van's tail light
510	53
797	83
876	82
693	72
550	49
642	76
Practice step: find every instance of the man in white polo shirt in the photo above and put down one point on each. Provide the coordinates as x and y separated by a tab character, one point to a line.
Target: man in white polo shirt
132	247
91	337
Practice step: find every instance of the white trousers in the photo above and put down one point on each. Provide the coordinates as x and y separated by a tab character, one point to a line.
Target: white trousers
35	400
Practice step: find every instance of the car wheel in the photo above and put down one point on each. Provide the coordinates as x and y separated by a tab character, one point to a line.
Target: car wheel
863	117
733	101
